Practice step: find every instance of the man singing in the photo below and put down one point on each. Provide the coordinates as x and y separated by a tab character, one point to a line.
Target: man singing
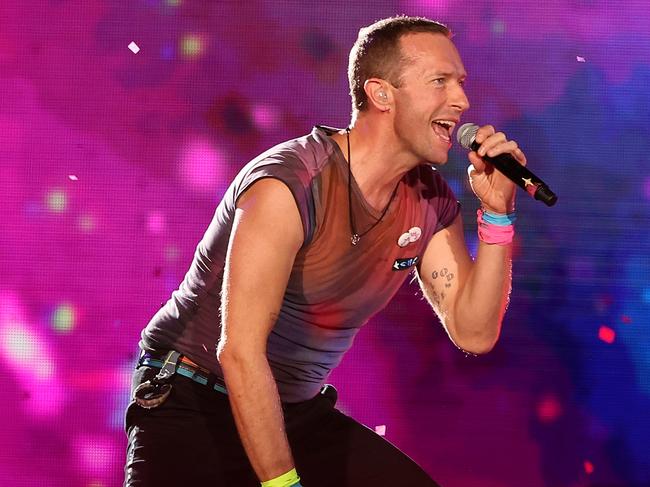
312	238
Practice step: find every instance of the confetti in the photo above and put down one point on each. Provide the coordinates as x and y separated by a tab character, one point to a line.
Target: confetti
134	48
72	177
606	334
580	59
626	319
381	430
204	347
589	467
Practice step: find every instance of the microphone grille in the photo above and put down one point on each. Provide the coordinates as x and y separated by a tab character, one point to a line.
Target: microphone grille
466	135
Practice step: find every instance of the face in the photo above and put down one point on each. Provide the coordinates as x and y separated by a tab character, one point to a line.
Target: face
430	100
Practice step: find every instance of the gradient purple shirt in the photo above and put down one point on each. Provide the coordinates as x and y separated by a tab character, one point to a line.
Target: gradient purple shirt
334	287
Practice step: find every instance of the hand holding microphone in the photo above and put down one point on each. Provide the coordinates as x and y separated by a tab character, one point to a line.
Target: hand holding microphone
507	165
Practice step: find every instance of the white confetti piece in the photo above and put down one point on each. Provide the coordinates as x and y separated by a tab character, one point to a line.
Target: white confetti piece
134	48
381	430
72	177
580	59
204	347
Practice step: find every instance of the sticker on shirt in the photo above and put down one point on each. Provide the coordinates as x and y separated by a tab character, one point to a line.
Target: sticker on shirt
403	264
413	235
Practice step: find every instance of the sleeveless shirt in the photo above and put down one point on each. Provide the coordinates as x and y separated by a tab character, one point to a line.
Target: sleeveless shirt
334	287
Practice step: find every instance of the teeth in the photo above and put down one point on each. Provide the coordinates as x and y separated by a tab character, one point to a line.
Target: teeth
447	123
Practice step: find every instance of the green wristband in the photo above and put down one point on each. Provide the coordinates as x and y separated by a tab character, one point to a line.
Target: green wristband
289	479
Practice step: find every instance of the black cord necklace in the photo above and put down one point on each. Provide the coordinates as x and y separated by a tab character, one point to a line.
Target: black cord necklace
355	237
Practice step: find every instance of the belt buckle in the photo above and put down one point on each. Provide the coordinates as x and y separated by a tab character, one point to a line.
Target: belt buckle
154	392
151	394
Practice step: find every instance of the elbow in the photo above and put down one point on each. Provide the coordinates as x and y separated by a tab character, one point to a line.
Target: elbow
232	363
229	355
478	343
221	350
478	347
221	353
475	332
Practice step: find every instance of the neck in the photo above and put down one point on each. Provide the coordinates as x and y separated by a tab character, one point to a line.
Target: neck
377	161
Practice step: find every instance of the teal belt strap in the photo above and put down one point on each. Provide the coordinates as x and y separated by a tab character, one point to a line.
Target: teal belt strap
186	371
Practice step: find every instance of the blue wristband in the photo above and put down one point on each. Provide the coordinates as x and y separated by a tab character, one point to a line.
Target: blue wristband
499	220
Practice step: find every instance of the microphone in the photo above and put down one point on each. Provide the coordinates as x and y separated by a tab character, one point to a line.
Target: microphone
509	167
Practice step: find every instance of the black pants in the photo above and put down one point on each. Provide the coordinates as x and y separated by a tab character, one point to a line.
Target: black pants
191	440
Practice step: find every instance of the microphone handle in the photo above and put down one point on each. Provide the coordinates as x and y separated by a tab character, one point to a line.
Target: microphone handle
521	176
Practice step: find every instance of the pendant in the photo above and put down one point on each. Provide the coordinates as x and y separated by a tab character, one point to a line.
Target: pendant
355	239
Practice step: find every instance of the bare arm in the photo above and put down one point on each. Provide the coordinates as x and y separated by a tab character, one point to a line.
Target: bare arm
267	233
469	297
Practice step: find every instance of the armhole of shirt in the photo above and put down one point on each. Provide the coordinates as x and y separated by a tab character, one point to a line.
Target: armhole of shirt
303	209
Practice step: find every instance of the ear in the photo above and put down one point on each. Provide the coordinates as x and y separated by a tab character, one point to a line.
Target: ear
378	93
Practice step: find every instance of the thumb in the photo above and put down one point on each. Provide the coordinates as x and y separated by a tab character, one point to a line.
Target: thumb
478	164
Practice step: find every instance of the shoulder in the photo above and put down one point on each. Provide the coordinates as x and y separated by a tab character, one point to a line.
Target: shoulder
294	163
307	155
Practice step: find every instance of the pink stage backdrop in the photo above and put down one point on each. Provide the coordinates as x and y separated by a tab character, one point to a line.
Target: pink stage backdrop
121	124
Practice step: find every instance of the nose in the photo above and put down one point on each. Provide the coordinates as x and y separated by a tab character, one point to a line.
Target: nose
459	99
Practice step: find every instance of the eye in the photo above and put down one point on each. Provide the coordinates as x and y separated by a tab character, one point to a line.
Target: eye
439	81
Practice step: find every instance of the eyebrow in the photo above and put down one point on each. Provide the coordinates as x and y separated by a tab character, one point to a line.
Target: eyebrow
447	74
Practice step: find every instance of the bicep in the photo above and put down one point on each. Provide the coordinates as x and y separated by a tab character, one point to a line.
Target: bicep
266	235
444	269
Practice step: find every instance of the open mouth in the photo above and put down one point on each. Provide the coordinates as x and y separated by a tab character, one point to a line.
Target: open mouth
443	129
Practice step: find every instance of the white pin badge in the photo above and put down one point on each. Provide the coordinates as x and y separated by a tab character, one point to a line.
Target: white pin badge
414	234
404	239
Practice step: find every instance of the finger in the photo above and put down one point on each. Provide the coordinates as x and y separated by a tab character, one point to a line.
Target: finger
508	147
471	170
491	142
520	156
478	164
483	133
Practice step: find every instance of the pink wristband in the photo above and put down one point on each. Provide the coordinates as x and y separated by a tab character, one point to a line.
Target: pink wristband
494	234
